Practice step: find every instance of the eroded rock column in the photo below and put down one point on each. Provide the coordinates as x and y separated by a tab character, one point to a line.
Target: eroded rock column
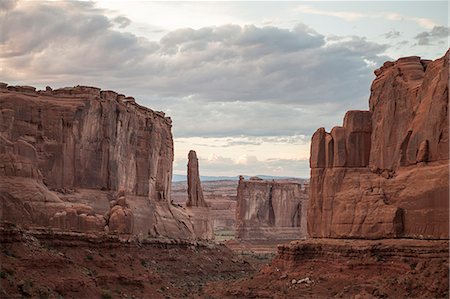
195	191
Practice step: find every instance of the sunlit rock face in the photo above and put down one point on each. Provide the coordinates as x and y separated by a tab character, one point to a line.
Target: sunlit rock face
274	210
67	154
384	173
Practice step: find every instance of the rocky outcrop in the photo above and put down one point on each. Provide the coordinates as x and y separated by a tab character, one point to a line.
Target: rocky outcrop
64	152
196	206
384	173
195	191
270	210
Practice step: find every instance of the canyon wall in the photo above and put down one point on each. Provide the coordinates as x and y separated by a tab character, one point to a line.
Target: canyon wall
86	159
270	210
385	172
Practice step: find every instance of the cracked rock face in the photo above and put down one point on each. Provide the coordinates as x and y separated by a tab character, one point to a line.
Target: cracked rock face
384	173
63	151
270	210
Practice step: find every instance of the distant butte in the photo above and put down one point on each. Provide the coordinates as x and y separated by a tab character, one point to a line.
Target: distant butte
270	210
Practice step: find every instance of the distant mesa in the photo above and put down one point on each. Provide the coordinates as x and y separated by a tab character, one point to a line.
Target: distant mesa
270	210
180	178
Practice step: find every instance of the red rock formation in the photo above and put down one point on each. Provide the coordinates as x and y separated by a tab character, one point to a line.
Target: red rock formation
195	191
270	210
62	152
389	174
196	206
330	268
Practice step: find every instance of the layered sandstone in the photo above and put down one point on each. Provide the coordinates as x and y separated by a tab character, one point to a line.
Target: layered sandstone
384	173
65	154
331	268
270	210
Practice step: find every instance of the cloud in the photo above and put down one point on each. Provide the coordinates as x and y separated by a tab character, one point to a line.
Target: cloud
247	165
6	5
351	16
345	15
437	33
392	34
41	26
217	81
122	21
225	63
245	153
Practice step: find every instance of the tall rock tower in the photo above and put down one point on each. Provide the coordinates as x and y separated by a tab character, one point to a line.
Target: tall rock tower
195	191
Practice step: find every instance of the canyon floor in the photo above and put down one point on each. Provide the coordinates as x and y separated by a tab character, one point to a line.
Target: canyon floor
41	263
48	264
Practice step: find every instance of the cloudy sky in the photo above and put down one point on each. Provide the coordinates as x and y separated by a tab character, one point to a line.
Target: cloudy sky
246	83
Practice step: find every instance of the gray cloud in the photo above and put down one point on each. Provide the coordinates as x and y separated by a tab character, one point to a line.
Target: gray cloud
392	34
6	5
215	81
49	25
122	21
437	33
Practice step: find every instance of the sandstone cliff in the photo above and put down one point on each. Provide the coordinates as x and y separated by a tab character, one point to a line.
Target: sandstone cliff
270	210
86	159
384	173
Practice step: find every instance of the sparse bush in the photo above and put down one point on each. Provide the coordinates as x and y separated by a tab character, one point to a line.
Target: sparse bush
43	294
413	265
8	252
89	257
106	294
144	263
88	272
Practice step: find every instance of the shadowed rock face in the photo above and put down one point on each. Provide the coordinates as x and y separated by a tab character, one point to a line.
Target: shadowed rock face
270	210
384	173
64	154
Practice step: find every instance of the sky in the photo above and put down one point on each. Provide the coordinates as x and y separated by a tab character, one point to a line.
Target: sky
245	83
